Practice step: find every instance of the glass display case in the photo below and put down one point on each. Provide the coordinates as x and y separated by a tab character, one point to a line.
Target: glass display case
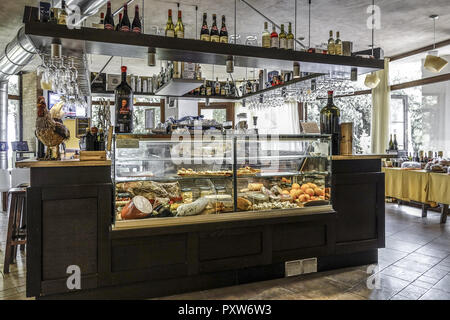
175	177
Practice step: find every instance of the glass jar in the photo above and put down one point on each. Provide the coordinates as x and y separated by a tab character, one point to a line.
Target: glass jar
205	191
186	195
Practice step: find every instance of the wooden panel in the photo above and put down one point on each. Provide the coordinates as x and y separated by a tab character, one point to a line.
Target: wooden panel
230	243
69	236
356	166
60	285
34	241
70	176
142	253
299	235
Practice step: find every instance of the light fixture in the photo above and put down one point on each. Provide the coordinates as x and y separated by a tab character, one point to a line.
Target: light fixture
230	64
432	62
151	57
56	49
372	80
296	73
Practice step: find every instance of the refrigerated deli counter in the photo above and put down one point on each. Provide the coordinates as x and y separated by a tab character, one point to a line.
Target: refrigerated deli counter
168	215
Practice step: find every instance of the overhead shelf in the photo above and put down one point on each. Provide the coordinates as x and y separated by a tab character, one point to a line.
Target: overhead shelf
178	87
128	44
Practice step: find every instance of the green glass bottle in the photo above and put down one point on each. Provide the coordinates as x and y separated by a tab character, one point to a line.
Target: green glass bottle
330	123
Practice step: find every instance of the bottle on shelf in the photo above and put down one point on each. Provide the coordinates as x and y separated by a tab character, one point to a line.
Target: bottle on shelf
136	26
203	89
274	41
102	18
331	45
62	17
179	28
125	24
109	19
204	32
338	45
391	144
100	140
217	87
118	23
283	38
170	29
290	38
208	88
223	36
214	34
330	123
124	105
266	36
395	143
223	89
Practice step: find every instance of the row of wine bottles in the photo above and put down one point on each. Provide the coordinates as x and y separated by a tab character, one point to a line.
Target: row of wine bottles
124	23
282	40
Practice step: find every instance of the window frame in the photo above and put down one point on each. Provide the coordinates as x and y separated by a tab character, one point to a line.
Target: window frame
404	99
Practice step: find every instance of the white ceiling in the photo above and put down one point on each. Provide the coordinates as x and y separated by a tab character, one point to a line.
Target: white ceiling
404	23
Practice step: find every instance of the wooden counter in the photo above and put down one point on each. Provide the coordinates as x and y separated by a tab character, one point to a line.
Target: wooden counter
61	163
363	156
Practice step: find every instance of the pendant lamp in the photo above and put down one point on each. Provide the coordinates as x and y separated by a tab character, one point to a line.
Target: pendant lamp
372	80
433	62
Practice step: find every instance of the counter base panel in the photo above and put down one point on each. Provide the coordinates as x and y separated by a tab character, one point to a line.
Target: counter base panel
166	287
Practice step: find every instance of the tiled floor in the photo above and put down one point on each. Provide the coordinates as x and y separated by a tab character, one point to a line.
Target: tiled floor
414	265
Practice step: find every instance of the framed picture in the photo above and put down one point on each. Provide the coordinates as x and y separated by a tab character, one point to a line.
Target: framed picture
171	102
113	81
81	125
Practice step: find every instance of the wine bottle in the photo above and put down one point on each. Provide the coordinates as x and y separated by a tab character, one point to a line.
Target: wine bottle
136	26
395	143
338	45
118	23
170	29
204	32
124	105
227	88
125	24
274	42
290	38
203	89
282	37
391	143
330	123
179	28
208	88
331	46
223	31
109	20
266	36
62	18
217	87
214	30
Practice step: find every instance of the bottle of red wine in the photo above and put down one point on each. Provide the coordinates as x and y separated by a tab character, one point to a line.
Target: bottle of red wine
330	123
124	105
109	20
136	26
120	21
125	24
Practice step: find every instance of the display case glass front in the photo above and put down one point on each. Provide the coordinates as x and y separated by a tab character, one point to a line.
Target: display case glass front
175	177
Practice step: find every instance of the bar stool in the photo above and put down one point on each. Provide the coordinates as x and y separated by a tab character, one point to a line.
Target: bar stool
17	232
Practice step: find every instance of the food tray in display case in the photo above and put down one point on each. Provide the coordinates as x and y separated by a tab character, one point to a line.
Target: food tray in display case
169	180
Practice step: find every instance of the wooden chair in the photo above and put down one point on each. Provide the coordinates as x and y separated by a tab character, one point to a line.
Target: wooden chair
17	232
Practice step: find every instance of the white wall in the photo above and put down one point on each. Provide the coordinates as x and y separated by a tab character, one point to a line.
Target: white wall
187	108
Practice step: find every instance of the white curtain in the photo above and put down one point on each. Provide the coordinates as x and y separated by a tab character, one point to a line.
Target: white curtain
381	111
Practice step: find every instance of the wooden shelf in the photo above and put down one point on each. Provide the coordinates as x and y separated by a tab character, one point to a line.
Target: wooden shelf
128	44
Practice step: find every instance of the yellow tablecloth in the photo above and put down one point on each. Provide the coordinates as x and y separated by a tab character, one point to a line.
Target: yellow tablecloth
417	185
439	190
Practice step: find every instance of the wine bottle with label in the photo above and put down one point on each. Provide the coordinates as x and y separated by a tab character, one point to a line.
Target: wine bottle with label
266	36
223	31
170	29
331	46
290	38
62	18
214	30
136	26
330	123
179	28
217	87
338	45
118	23
282	37
124	105
274	42
109	20
204	32
125	24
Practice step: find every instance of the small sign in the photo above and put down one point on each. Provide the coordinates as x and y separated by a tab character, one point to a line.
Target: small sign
310	127
127	143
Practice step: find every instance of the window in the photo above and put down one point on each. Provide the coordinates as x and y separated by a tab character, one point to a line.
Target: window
220	112
399	120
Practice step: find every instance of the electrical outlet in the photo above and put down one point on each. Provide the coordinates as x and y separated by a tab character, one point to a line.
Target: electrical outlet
309	265
293	268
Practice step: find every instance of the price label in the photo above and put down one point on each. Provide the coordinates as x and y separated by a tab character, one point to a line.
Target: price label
127	143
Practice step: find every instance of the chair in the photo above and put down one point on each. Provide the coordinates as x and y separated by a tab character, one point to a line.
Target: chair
17	232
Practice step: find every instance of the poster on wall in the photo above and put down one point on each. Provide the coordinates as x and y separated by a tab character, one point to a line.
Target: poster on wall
70	109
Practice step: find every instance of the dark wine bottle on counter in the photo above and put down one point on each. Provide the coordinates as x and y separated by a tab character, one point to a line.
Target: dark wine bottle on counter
120	21
136	26
330	123
124	105
125	24
109	19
